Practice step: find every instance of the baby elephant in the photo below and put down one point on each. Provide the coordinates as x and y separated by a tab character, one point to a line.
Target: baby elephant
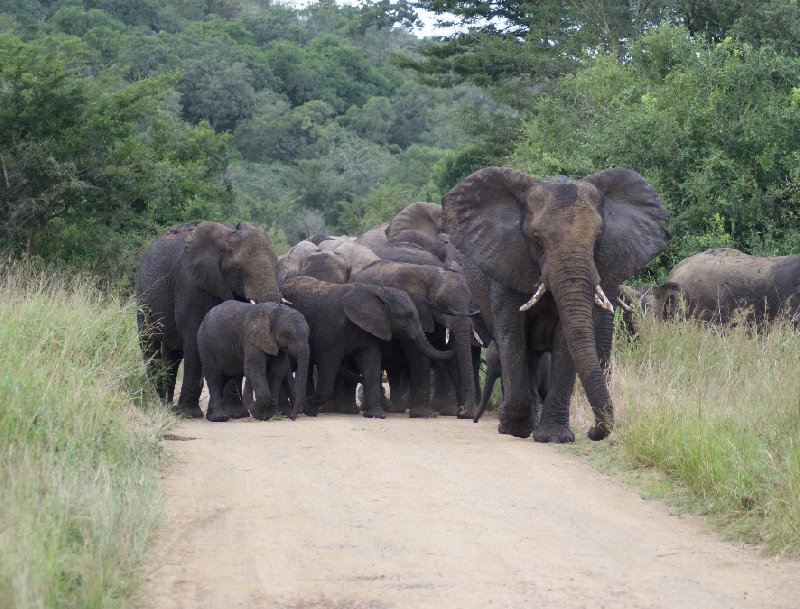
254	340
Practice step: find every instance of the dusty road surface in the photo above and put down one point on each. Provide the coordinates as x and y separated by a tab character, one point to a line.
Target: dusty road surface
344	512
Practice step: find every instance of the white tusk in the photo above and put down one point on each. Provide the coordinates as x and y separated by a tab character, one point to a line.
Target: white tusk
535	298
286	302
478	338
624	305
252	301
601	300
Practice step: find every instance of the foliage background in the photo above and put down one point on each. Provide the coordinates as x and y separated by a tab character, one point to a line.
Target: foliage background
120	119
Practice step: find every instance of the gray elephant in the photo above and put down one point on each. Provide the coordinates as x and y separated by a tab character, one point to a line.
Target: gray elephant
254	340
719	284
182	275
543	259
334	259
444	302
352	320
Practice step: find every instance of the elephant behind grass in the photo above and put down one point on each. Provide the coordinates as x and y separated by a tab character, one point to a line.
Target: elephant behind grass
724	285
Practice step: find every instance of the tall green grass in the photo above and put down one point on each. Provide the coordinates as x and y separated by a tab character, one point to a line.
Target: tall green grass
79	451
718	413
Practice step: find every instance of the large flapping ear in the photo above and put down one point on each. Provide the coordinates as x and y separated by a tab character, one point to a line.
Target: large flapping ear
420	216
364	306
632	224
483	216
203	254
259	332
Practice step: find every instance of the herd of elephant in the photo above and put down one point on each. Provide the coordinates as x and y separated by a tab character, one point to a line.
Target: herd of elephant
525	271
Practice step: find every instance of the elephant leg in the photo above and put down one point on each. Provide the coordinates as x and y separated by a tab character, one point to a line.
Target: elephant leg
216	401
327	371
398	389
168	375
189	401
516	413
490	378
368	362
233	401
258	386
444	399
344	391
554	421
419	380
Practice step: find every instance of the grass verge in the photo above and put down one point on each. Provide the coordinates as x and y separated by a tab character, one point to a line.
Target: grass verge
710	420
79	450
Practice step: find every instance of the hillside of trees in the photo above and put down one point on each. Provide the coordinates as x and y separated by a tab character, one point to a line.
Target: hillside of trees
121	118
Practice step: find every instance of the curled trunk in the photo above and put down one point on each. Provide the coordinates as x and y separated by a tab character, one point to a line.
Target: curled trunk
423	346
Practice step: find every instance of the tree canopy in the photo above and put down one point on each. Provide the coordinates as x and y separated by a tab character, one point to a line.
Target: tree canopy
120	118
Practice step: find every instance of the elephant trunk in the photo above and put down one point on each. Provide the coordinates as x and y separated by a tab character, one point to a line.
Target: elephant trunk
263	288
301	377
461	330
423	346
575	300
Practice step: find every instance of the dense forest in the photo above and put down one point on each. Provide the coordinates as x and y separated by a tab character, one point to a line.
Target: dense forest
121	118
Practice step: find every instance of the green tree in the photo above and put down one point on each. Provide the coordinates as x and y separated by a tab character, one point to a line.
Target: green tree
91	166
715	129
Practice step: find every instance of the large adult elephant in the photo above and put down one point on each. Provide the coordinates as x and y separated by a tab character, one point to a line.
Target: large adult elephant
352	320
720	283
444	302
570	243
182	275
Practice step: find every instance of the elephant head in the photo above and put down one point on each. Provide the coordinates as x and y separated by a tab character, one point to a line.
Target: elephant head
387	313
232	262
568	237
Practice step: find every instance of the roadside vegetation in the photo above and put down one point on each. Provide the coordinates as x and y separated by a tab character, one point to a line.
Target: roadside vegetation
709	419
79	452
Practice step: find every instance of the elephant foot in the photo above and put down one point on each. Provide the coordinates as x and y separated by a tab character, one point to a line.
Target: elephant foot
422	413
189	412
217	416
553	432
375	413
310	411
519	428
448	411
395	407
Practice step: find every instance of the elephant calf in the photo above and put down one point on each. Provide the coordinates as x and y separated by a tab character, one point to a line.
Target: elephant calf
254	340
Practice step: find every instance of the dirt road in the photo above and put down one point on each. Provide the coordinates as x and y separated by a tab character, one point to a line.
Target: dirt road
345	512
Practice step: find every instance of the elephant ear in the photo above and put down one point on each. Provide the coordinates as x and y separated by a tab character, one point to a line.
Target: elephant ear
203	254
483	216
365	307
259	332
632	224
420	216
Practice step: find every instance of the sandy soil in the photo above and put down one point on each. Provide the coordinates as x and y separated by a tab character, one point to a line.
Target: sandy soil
344	512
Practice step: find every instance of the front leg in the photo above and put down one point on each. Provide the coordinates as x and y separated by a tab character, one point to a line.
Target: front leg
516	411
192	385
554	423
419	380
